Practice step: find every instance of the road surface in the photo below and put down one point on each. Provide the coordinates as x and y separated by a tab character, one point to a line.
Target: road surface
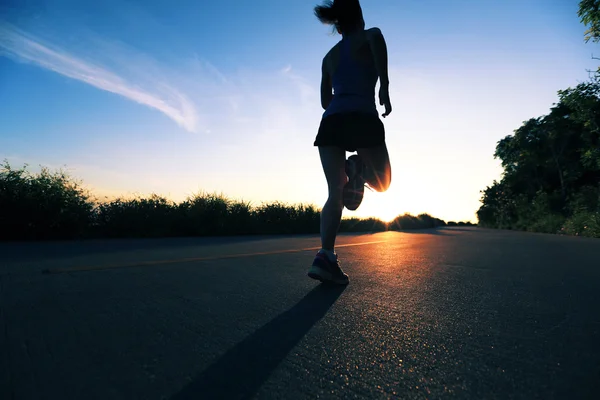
450	313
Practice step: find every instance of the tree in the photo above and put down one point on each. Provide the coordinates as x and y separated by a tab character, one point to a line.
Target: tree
551	165
589	12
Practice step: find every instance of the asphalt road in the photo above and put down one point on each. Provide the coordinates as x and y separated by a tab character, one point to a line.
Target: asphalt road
453	313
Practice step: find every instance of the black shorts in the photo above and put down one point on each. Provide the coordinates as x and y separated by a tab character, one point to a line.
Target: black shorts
351	131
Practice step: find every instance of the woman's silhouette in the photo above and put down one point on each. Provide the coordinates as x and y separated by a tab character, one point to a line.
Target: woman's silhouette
350	123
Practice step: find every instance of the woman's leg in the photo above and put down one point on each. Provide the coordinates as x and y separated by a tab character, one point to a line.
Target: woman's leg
333	161
378	173
326	267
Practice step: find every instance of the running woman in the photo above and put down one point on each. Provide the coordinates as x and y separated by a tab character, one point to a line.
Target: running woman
350	123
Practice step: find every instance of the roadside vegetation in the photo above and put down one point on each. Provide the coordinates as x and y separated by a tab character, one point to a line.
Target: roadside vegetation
53	205
551	179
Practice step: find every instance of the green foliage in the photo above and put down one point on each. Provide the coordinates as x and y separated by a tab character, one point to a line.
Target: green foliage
583	224
137	217
281	218
551	167
589	12
363	225
551	180
51	205
206	214
550	223
41	206
407	221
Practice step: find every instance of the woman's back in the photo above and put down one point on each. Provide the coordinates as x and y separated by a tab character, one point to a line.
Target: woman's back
353	75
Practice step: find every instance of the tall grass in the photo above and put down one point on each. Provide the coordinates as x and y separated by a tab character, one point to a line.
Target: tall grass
363	225
42	206
52	205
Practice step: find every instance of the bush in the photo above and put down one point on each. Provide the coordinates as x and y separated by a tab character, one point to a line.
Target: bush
363	225
240	218
137	217
287	219
583	224
42	206
205	214
51	205
408	222
550	223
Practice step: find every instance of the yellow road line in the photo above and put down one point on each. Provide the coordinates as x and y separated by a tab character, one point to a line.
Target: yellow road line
195	259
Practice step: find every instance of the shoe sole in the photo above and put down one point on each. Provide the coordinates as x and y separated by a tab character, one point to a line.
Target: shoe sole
353	197
352	204
353	191
318	274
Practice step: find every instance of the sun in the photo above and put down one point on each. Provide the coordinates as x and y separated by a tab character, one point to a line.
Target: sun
379	205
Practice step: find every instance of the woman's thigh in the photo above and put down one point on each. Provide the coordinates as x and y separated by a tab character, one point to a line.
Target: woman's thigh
333	160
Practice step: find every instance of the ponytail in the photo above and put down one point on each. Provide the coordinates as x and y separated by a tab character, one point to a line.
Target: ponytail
326	13
344	14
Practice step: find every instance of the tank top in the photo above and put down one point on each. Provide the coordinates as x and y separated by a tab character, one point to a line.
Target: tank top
353	84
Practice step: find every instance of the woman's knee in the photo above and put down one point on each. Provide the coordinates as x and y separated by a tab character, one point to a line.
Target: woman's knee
378	172
336	195
379	180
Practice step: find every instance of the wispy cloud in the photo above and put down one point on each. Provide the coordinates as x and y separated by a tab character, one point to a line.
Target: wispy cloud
21	45
308	91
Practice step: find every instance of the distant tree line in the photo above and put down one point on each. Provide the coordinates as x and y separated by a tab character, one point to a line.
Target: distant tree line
53	205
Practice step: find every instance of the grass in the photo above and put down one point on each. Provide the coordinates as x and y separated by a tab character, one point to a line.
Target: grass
53	205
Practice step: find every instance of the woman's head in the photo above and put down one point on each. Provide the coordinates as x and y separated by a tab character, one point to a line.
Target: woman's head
346	15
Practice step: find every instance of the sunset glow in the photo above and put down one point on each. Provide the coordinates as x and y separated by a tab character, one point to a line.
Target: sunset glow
166	108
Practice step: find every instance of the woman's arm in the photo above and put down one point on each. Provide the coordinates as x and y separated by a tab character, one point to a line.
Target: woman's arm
380	56
326	86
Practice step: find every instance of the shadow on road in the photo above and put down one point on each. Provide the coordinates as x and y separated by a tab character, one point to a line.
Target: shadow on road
241	371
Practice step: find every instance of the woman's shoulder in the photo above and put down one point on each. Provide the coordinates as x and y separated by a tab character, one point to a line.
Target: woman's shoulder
374	31
333	50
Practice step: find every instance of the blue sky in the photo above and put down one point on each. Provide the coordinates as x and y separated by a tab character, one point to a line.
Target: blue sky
188	96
